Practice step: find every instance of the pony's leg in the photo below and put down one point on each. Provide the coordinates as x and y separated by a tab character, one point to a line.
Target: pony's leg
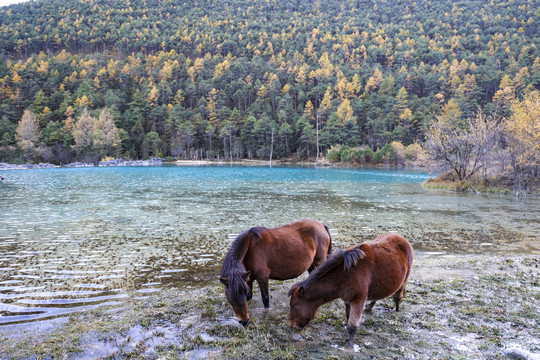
370	306
398	296
250	293
315	264
347	310
401	292
263	285
354	319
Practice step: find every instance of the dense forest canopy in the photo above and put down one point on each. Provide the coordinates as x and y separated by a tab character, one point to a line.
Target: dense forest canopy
256	79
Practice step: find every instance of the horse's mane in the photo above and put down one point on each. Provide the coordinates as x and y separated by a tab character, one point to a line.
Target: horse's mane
233	269
348	258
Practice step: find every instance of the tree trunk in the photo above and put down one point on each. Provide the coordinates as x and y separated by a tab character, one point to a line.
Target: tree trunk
317	129
230	143
272	146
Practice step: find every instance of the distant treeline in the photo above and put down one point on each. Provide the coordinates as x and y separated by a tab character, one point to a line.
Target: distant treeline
258	79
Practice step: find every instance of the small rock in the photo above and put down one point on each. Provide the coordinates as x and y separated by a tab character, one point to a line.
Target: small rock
297	337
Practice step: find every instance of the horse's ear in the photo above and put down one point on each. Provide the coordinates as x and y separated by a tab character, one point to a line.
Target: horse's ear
247	274
290	292
301	291
224	281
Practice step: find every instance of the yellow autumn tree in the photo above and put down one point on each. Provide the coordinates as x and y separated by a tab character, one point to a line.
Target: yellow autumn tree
83	130
178	98
153	96
105	136
211	107
345	111
522	133
309	113
505	96
374	81
27	133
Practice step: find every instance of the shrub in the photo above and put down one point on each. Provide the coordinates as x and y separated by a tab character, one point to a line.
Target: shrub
413	151
347	154
384	154
364	155
399	152
334	154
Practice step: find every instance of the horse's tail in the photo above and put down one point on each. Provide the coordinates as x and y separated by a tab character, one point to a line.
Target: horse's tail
330	236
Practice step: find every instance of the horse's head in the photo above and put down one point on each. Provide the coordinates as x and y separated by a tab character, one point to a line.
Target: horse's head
237	291
301	310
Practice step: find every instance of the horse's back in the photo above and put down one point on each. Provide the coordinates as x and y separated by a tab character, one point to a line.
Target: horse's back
389	259
290	249
394	244
306	232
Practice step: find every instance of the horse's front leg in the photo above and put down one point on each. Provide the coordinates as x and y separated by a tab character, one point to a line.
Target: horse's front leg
263	285
354	319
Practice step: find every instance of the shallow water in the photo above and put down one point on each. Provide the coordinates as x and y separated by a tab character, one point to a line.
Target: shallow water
72	240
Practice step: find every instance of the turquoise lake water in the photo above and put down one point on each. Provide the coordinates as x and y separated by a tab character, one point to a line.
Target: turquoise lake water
75	239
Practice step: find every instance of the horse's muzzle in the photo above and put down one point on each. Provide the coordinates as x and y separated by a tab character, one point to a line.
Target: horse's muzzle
244	323
295	326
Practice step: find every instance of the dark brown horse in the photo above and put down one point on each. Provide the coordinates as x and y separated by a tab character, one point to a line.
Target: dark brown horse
280	253
369	271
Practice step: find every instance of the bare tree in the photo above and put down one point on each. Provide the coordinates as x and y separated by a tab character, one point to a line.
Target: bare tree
463	150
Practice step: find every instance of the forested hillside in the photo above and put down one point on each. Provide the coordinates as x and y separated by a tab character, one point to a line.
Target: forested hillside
253	79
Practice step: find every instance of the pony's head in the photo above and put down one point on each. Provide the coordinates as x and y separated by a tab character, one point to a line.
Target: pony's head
237	291
301	310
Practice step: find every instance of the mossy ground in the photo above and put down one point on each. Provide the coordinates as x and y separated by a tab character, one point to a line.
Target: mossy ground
456	307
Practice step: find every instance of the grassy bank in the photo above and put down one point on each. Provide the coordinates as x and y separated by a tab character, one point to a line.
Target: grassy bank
465	186
456	307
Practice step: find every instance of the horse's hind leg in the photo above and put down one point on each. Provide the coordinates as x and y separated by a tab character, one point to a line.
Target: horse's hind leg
263	285
398	296
370	306
397	299
250	293
401	292
316	262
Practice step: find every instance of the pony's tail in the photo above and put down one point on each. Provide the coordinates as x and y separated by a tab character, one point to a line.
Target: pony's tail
330	236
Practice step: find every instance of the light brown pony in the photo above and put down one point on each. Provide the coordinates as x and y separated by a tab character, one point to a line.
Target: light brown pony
280	253
369	271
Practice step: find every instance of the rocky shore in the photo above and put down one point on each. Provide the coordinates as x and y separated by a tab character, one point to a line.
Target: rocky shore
114	162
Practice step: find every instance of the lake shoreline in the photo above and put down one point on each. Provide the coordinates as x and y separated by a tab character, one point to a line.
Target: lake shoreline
456	306
252	162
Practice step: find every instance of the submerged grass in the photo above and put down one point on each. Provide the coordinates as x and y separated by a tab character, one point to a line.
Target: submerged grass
456	307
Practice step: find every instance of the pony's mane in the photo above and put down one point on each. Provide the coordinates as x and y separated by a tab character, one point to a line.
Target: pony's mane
348	258
233	269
